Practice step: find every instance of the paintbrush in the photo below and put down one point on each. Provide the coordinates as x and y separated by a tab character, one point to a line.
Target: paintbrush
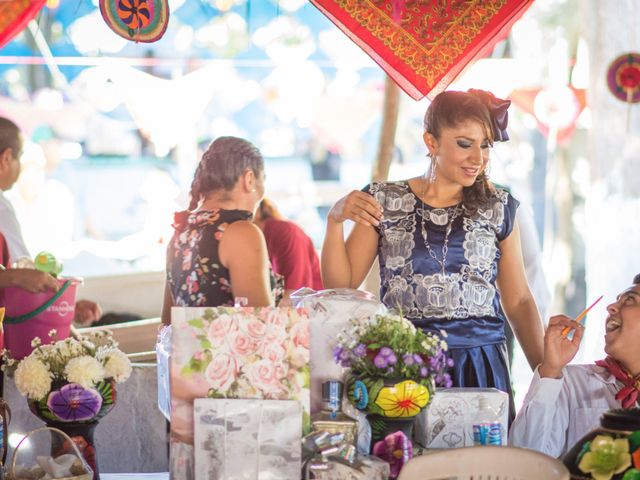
566	330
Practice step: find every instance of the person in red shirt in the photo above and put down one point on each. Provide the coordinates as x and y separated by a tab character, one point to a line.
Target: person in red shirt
291	251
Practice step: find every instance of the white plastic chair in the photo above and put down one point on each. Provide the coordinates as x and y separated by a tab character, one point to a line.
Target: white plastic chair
484	463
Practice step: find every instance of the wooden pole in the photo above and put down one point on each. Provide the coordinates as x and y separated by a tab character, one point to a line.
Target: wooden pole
387	139
382	163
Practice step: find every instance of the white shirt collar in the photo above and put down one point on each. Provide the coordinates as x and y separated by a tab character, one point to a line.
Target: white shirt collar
601	374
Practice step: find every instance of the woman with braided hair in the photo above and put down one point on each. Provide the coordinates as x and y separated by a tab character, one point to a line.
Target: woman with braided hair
217	254
447	243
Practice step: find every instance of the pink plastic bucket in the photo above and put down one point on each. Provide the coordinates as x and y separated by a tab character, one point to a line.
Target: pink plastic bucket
29	315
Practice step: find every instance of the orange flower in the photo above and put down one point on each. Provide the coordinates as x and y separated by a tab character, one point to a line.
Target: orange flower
636	458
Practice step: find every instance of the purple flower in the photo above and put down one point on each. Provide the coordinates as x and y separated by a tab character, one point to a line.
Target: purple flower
424	372
408	360
380	361
449	362
448	383
418	359
392	359
337	350
360	350
433	362
73	403
385	352
344	359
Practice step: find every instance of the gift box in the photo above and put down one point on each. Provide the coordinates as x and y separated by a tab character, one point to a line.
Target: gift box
163	349
366	468
329	313
247	439
448	421
241	353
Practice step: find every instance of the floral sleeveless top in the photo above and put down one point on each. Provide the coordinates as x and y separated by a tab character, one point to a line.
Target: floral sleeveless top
195	274
464	300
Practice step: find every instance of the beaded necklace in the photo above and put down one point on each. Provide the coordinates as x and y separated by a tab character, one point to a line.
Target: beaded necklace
438	216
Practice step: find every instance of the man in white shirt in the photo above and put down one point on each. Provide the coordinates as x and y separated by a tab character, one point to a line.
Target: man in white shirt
11	143
10	153
566	401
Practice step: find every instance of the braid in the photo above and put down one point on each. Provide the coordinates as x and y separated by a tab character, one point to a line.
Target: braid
195	193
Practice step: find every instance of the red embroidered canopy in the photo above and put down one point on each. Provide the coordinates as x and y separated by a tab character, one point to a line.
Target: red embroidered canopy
424	44
15	15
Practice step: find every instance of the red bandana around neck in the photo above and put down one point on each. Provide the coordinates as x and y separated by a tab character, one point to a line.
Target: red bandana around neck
628	394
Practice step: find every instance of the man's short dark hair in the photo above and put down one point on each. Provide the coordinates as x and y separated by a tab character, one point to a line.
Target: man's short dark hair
10	136
636	279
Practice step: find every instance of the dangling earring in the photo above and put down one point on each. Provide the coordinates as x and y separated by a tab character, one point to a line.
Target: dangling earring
432	172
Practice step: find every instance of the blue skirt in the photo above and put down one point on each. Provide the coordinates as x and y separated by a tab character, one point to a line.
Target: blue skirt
479	351
486	366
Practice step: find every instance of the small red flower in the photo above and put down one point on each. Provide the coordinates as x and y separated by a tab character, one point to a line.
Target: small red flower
630	77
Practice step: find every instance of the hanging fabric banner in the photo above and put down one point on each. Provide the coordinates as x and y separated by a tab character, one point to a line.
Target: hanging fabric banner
15	15
137	20
423	45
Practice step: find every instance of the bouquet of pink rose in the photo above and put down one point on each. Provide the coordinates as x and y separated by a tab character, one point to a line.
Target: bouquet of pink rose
249	353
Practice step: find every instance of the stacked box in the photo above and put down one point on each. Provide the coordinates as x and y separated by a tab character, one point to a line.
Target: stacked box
447	422
247	439
239	353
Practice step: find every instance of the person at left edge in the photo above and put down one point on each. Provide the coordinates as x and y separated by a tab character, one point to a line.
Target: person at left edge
11	143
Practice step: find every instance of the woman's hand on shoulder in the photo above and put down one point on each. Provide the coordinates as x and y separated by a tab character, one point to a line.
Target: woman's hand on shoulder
357	206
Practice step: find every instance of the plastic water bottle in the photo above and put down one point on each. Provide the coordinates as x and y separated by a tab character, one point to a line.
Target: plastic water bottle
487	429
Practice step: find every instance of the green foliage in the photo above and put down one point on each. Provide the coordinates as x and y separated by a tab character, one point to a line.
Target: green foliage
410	350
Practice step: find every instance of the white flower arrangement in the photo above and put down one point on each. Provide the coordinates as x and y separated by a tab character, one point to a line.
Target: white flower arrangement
86	361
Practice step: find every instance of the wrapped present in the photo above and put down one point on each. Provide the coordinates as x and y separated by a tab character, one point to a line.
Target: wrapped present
329	313
448	421
327	456
240	352
163	349
247	439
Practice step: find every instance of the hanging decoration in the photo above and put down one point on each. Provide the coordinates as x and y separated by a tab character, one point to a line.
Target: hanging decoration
137	20
623	77
558	108
422	45
15	15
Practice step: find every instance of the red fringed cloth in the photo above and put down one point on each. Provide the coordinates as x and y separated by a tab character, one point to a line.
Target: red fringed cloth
15	15
424	44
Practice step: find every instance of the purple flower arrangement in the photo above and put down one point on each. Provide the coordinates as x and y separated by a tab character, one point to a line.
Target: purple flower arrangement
71	380
391	347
